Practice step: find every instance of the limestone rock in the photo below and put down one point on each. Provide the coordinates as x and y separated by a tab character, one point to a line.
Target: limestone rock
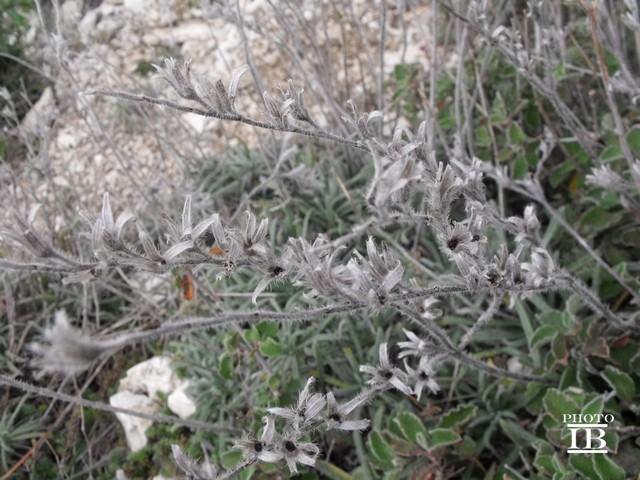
134	427
137	391
150	377
180	403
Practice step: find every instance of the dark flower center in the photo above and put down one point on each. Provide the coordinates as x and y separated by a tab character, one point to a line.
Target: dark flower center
290	446
494	278
386	374
453	243
258	447
277	270
335	417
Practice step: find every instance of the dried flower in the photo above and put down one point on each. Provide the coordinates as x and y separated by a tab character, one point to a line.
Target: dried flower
309	407
392	176
457	242
225	240
385	375
274	112
361	121
446	188
422	376
415	347
606	178
295	451
204	471
528	226
336	414
179	77
294	106
378	277
108	233
263	449
275	270
69	351
26	236
541	268
316	268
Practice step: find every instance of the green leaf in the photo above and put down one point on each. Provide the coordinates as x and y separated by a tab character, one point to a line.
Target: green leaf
559	464
400	72
248	473
225	366
380	449
559	350
558	403
467	447
361	473
534	395
331	471
412	428
516	433
560	71
584	465
498	110
633	138
594	407
621	382
520	168
544	463
543	334
252	335
569	378
531	117
483	139
458	416
561	321
611	153
230	459
607	468
394	474
516	135
267	329
442	437
271	348
597	466
17	18
597	219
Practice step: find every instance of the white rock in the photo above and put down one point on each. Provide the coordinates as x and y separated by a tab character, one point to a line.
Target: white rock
71	13
197	122
189	30
138	5
41	112
66	140
134	427
151	376
180	403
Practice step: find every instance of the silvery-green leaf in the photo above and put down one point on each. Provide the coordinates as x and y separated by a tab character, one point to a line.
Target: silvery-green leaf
186	216
236	75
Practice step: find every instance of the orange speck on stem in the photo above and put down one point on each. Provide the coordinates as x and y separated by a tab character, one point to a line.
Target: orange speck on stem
187	287
217	251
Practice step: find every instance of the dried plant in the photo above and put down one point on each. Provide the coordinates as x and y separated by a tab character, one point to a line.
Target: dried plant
413	185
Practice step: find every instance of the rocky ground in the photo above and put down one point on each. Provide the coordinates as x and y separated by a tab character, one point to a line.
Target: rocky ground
89	145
